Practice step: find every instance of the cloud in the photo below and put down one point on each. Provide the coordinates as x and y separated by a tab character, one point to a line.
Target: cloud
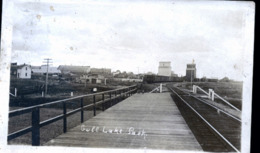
130	34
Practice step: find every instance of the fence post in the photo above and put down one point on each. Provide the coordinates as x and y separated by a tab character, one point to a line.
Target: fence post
82	111
160	88
94	107
209	96
194	89
36	127
212	96
120	98
103	98
110	96
115	98
64	118
15	92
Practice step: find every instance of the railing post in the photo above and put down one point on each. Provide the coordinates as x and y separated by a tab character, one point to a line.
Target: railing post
94	107
194	89
115	98
82	111
209	96
110	96
36	127
120	98
15	92
103	98
212	96
64	117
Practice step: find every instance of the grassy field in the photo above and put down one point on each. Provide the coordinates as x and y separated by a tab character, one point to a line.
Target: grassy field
29	93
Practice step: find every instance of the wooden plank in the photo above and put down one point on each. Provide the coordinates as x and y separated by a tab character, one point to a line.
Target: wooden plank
147	120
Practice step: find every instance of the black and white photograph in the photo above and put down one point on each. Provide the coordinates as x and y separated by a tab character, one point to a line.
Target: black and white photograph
126	76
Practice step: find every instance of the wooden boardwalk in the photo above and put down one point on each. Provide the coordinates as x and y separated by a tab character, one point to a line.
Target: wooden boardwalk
150	120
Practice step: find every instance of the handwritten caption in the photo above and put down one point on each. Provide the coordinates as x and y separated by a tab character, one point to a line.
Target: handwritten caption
116	130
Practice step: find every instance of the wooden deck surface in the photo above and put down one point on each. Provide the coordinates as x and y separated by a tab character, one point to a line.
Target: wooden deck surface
150	120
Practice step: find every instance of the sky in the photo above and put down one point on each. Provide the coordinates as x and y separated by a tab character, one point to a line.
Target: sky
132	36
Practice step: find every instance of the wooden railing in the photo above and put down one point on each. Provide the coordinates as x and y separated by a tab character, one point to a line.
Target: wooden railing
113	95
211	96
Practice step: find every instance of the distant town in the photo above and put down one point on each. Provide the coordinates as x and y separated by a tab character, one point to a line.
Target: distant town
86	74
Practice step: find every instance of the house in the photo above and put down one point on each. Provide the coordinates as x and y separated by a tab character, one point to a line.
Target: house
21	71
116	73
74	69
91	78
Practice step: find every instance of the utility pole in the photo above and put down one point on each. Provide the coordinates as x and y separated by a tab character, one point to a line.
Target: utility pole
47	61
191	78
138	72
191	72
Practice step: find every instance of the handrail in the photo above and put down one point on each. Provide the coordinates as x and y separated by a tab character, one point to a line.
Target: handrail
227	102
202	90
12	94
214	94
12	113
154	89
35	110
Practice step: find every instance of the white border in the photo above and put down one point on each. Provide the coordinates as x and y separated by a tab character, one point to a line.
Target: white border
5	56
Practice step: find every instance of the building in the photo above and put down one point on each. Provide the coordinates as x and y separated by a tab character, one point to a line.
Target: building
91	78
150	73
13	70
191	71
173	74
43	69
74	69
21	71
100	71
164	69
116	72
